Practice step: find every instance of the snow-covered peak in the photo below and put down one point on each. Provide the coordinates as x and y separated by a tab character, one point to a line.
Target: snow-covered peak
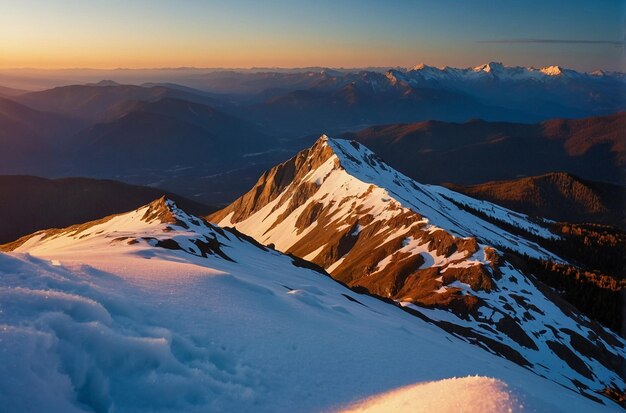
141	328
340	206
490	67
363	164
158	224
552	71
492	71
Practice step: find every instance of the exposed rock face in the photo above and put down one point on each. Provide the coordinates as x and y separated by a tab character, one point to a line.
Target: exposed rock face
358	231
340	206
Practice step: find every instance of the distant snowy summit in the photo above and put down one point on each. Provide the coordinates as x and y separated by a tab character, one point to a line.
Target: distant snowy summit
496	71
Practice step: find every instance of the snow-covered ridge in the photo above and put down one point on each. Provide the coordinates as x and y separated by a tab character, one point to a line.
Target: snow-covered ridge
93	322
431	200
160	223
496	71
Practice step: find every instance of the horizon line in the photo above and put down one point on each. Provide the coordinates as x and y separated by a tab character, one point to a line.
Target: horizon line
274	68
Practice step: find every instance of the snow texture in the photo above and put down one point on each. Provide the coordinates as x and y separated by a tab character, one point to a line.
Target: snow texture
91	322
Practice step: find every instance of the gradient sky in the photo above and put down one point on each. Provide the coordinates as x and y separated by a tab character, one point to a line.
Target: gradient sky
584	35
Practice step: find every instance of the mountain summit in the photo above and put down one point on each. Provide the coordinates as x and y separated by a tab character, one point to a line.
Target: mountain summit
440	253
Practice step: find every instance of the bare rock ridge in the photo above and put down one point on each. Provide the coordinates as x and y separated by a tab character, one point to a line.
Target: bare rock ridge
434	251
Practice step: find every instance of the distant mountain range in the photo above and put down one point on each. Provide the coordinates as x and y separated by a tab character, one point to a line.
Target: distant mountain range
27	134
478	151
210	144
104	100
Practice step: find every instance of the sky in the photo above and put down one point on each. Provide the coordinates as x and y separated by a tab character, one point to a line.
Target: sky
583	35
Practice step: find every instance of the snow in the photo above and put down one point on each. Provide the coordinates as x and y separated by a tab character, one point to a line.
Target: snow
551	71
466	395
542	320
486	72
139	328
314	254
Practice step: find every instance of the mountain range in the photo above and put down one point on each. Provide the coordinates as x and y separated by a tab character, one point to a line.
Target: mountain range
479	151
557	196
211	146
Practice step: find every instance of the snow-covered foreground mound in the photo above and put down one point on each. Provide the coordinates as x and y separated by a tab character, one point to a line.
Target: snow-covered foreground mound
462	395
155	310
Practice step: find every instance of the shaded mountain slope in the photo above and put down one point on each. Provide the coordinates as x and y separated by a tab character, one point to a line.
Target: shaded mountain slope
26	134
557	196
479	151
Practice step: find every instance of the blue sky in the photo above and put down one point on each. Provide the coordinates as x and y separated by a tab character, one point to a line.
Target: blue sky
348	33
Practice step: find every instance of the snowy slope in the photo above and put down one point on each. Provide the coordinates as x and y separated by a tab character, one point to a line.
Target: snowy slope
465	395
155	310
340	206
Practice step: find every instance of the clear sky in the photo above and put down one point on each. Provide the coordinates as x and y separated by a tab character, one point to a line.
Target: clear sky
584	35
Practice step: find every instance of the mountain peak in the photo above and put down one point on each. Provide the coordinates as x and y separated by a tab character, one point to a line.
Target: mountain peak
164	210
552	70
105	82
158	224
434	250
489	67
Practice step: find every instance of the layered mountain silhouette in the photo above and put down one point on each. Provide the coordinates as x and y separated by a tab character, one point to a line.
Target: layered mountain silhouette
165	134
104	100
478	151
26	133
108	129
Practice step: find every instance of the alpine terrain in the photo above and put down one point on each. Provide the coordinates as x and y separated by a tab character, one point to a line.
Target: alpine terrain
158	310
447	258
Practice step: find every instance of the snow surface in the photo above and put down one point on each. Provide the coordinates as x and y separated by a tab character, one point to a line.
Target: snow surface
488	72
91	323
462	395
